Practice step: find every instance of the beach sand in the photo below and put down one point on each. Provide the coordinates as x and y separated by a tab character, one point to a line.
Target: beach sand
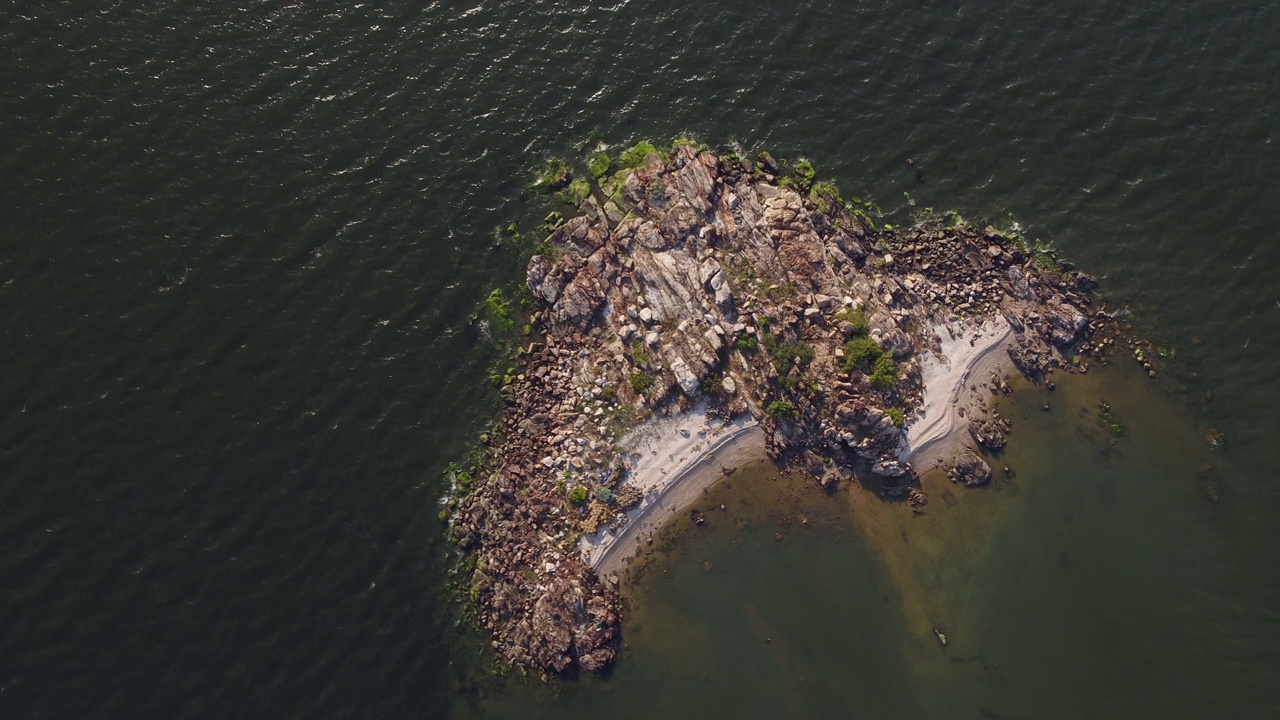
953	380
671	460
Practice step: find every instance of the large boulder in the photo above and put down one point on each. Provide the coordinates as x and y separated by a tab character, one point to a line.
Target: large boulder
578	304
1064	323
971	470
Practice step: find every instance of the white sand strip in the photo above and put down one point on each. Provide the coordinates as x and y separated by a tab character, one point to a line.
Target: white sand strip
672	460
970	353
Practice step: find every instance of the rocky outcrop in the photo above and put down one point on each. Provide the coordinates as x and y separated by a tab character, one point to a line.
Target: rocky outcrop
705	278
971	470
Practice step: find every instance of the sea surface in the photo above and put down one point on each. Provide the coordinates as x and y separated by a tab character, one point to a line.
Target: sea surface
242	247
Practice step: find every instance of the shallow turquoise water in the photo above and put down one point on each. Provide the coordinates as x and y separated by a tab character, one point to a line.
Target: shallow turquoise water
241	246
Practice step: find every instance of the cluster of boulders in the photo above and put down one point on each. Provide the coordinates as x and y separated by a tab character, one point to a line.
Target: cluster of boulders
697	277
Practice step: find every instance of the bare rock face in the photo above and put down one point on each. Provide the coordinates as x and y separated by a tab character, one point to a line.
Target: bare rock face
1065	323
542	282
897	343
577	305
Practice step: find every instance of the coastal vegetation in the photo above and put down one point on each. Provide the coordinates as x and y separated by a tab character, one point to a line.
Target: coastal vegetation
641	382
578	495
861	353
781	410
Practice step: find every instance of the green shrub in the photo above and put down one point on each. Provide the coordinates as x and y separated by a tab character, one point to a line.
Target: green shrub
578	495
787	355
639	355
713	384
598	163
884	373
746	343
857	317
859	353
781	410
641	382
895	415
604	495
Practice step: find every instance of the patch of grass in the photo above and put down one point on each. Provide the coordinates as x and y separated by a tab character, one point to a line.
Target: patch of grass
781	410
884	373
579	494
746	343
895	415
599	163
857	317
778	292
641	382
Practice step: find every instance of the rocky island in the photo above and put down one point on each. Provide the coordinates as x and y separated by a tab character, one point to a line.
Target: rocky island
700	311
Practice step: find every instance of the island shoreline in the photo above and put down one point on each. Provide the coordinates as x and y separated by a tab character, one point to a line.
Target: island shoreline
689	285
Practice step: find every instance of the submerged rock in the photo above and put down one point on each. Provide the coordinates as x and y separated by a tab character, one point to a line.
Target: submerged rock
971	470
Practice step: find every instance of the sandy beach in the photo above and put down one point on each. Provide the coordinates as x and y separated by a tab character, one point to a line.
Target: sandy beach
952	380
672	460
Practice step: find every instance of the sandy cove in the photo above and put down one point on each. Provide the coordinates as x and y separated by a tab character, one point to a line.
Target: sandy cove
671	461
969	353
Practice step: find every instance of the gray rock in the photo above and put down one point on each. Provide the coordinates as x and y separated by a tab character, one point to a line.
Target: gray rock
889	468
685	377
972	470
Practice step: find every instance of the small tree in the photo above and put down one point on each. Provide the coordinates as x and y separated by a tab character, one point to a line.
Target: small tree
781	410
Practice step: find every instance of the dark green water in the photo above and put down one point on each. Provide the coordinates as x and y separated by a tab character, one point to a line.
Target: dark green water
240	247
